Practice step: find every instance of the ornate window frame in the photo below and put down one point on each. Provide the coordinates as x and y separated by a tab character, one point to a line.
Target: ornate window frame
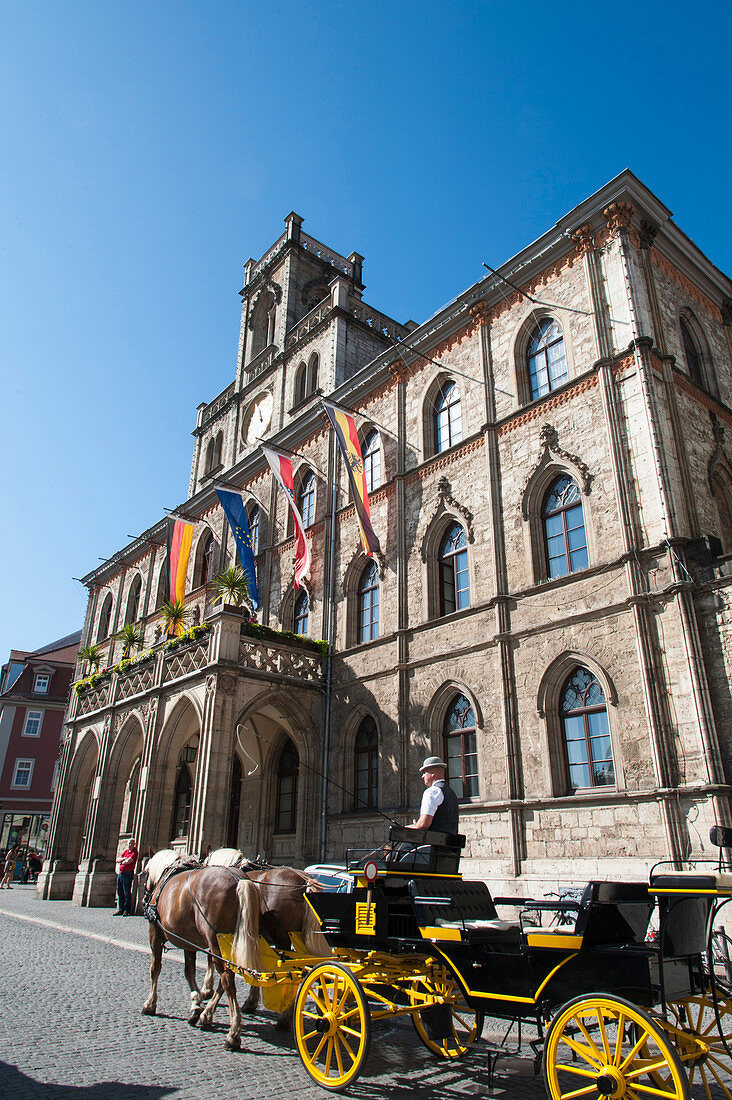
520	353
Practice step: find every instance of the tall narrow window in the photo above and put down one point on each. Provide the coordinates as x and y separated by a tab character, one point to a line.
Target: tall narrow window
313	373
162	593
133	600
104	618
371	452
453	566
301	383
691	354
204	561
232	829
461	750
254	529
448	417
366	765
565	540
302	613
546	358
306	499
368	604
286	807
182	801
583	712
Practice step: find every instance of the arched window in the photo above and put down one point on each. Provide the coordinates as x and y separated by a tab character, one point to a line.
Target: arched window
722	489
162	593
209	463
301	383
133	600
204	561
301	615
286	806
253	520
368	603
691	353
313	366
218	450
306	499
448	421
366	765
104	618
371	451
460	747
182	801
565	541
453	565
263	327
583	712
232	830
547	361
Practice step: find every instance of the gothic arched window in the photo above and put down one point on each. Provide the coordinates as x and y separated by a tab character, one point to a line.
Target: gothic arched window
313	368
371	451
301	383
306	499
204	561
460	747
691	353
133	600
448	418
454	585
366	764
368	604
104	618
286	805
162	593
565	540
583	712
182	801
254	524
301	614
547	361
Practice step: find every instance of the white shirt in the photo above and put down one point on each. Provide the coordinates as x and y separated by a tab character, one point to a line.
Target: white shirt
431	799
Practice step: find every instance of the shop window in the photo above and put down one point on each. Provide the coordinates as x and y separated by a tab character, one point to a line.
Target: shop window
366	765
546	358
583	713
287	774
460	747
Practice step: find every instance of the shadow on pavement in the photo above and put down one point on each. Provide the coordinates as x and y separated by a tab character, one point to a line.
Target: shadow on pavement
14	1084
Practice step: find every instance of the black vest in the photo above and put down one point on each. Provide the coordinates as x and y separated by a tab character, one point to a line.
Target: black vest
446	814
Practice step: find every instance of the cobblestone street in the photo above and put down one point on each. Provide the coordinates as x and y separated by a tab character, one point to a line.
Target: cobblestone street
73	982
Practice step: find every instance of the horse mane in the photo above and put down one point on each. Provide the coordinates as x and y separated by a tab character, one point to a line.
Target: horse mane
163	859
224	857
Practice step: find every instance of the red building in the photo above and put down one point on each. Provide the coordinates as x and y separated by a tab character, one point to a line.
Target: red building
34	691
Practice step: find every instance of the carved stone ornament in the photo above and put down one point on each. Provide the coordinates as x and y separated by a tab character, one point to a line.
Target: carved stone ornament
268	287
480	313
227	685
550	447
585	237
726	308
210	684
718	460
396	369
447	504
647	234
618	215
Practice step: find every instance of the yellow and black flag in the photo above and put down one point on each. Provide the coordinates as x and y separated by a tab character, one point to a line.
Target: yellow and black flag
344	427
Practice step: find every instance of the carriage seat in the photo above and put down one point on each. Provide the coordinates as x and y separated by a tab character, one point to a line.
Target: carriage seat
699	879
459	910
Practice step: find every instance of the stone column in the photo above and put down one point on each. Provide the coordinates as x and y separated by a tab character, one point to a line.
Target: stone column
95	880
398	372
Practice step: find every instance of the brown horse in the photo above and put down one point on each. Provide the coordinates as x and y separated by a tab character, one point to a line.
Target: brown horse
192	907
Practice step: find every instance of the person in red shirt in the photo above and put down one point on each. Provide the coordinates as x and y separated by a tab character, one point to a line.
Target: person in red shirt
125	872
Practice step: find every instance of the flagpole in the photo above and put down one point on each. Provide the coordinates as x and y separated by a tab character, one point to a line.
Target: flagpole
329	658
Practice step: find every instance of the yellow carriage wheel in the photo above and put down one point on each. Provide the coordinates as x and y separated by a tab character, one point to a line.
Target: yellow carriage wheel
600	1046
466	1022
332	1026
701	1045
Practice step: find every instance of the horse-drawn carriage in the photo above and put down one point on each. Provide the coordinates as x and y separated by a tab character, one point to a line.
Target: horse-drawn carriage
616	1013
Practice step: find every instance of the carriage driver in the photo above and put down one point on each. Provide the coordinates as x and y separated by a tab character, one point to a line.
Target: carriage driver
439	807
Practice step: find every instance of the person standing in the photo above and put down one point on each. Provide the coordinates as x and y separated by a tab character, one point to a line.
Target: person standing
10	861
125	873
439	808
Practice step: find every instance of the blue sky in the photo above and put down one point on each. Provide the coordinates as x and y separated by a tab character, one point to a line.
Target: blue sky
149	150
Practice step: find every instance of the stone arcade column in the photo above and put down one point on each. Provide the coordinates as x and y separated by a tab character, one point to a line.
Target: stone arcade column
95	880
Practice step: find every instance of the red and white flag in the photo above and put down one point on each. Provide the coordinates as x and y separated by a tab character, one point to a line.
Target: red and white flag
282	470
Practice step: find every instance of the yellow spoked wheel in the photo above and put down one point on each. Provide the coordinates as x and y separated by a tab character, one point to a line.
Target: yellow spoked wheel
332	1026
700	1045
602	1046
464	1023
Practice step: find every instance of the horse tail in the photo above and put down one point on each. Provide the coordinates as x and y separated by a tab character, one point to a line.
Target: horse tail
312	937
245	945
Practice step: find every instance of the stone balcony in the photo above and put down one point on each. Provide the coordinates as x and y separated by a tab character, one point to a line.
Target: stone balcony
226	645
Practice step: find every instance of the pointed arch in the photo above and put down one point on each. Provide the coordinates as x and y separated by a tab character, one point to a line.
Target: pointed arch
206	559
696	357
133	599
455	725
720	483
105	618
451	522
77	795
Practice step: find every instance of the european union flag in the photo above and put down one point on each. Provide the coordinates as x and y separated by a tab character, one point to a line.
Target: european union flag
233	506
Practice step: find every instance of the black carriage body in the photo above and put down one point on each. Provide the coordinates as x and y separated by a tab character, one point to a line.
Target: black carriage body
510	968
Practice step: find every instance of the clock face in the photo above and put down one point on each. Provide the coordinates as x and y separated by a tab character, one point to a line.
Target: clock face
259	417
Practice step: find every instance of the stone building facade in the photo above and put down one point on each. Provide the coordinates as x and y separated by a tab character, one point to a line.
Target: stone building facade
550	458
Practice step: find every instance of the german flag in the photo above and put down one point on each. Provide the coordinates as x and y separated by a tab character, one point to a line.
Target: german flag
180	537
344	427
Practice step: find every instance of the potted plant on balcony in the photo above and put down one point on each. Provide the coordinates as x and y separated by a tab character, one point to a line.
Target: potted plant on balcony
131	638
91	655
173	616
232	587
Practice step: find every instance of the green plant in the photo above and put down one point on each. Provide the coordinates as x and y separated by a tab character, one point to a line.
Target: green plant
91	655
174	616
231	586
258	630
131	638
